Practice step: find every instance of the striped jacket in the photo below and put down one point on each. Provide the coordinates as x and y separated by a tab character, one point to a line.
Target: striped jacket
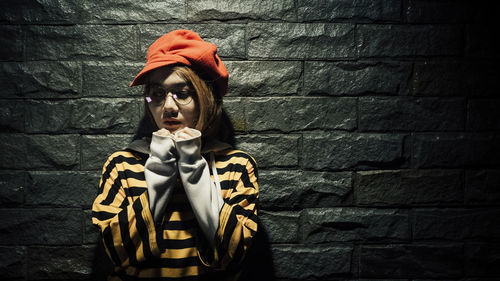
175	247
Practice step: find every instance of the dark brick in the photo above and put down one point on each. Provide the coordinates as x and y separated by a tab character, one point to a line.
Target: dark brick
51	188
484	149
59	12
229	38
235	110
132	11
409	187
61	263
271	150
97	149
482	186
455	78
106	115
41	79
439	150
304	189
482	12
53	151
439	79
320	225
10	11
12	37
83	115
432	279
241	10
481	78
408	40
456	224
352	150
472	279
482	259
353	10
110	79
90	231
264	78
411	261
391	279
71	12
309	41
13	263
483	115
411	114
12	186
317	262
56	79
80	41
454	150
282	227
11	116
59	120
356	78
40	226
297	114
447	11
480	41
13	151
10	80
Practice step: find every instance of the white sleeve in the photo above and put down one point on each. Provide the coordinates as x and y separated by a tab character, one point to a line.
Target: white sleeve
203	195
160	172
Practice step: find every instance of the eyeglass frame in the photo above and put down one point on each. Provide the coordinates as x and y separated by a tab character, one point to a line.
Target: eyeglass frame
172	90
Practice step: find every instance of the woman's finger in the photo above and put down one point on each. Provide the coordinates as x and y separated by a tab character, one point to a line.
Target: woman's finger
183	135
163	132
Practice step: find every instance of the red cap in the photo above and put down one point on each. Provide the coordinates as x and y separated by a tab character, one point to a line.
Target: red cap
186	47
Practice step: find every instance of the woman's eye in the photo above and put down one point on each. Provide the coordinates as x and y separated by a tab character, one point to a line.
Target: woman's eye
184	94
157	94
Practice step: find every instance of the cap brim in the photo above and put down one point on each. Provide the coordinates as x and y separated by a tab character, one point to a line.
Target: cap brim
140	78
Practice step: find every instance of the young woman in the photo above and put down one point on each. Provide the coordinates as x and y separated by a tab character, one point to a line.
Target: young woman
178	203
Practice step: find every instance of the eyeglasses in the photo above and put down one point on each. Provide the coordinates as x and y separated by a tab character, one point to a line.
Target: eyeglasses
156	95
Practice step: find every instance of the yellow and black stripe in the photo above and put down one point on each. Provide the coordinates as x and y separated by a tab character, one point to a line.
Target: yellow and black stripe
173	249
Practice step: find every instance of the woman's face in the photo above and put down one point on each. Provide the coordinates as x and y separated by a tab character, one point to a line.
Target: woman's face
171	114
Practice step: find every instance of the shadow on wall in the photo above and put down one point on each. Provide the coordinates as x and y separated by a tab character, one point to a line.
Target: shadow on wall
258	264
101	264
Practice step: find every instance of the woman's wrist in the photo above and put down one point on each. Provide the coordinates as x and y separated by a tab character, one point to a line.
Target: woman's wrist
162	146
188	144
184	145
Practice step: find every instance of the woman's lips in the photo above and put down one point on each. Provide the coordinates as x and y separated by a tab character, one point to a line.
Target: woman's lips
171	122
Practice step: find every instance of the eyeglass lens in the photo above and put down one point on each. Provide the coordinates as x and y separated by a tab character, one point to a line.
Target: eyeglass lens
157	95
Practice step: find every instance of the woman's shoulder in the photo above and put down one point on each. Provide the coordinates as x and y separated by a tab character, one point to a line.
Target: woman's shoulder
235	155
126	156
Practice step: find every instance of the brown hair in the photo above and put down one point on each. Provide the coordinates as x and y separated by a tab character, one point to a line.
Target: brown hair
207	102
209	107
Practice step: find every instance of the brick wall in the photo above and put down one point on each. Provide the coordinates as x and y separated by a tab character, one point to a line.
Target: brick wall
375	125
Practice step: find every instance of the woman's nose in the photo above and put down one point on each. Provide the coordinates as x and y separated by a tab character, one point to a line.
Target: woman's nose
170	104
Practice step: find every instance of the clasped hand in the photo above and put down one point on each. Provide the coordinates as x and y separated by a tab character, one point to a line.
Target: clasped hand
182	134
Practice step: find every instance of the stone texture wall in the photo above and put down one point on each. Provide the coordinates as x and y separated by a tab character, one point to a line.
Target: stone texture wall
375	125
